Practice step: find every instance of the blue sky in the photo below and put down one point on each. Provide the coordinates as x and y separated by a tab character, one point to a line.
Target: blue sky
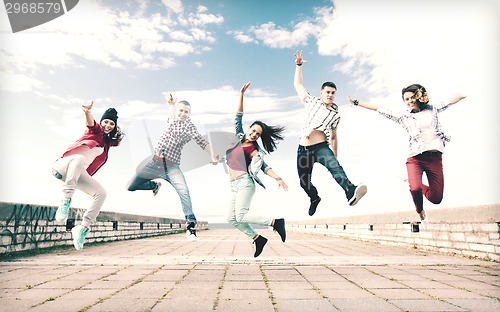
131	54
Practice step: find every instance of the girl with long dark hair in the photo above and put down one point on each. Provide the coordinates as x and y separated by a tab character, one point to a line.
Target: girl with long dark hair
244	162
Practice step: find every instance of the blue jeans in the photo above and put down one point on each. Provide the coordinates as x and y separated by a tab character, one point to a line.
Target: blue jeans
242	191
318	153
152	168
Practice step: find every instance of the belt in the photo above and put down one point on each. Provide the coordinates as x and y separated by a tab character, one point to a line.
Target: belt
161	158
311	147
238	177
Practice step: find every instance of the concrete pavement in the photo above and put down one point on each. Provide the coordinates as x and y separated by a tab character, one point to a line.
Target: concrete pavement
218	273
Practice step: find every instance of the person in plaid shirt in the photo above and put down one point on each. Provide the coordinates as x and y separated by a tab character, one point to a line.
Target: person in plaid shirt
318	140
166	160
426	142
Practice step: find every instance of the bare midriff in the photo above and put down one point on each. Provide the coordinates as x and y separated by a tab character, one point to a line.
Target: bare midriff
314	137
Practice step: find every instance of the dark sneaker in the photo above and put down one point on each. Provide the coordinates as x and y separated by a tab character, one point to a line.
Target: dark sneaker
259	242
279	226
191	232
314	205
157	188
355	193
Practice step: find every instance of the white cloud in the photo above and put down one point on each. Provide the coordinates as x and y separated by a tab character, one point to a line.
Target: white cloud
181	35
278	37
201	19
174	5
441	43
105	35
18	83
242	37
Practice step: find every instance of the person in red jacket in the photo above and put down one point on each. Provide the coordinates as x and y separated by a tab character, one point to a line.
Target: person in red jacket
80	162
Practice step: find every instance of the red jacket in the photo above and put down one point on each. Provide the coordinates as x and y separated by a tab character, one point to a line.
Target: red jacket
92	137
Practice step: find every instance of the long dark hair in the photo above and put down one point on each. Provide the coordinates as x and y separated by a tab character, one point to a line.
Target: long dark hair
270	135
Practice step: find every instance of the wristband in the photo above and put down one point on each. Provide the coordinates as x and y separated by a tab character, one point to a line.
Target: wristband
355	102
299	64
278	179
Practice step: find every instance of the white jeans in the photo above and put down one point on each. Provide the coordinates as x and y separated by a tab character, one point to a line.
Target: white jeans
75	176
242	191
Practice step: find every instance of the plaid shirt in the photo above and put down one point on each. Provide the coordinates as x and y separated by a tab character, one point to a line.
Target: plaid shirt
176	134
407	120
319	117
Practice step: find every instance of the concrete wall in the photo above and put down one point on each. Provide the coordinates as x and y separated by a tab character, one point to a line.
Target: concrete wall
469	231
26	227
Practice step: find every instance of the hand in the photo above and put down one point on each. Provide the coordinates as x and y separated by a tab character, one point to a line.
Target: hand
282	184
351	99
119	134
171	100
245	87
215	160
298	58
456	98
87	107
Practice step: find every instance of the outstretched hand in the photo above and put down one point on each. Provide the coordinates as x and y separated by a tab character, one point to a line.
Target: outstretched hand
245	87
457	97
87	107
299	60
171	100
350	99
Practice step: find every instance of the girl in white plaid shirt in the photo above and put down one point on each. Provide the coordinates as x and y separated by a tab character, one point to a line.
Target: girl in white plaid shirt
426	142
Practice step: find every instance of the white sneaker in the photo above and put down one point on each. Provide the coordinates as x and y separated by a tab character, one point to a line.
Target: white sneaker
191	235
79	234
424	219
191	232
63	210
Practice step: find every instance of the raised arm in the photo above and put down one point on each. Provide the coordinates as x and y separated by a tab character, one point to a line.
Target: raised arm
362	103
242	94
89	119
171	106
297	81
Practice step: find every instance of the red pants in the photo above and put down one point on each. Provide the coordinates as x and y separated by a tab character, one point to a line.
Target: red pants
431	163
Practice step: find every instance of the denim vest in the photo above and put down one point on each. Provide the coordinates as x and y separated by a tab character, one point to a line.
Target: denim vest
258	164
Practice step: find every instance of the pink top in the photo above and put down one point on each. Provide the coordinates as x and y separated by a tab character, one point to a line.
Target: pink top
239	158
92	137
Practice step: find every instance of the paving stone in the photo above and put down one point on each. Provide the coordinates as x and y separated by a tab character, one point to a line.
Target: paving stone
219	273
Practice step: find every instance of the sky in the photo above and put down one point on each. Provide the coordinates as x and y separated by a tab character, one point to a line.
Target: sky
132	54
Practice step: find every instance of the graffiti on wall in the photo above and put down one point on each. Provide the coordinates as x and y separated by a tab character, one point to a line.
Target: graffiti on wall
28	225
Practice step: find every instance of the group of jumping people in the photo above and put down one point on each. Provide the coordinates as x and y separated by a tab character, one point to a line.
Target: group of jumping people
245	160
